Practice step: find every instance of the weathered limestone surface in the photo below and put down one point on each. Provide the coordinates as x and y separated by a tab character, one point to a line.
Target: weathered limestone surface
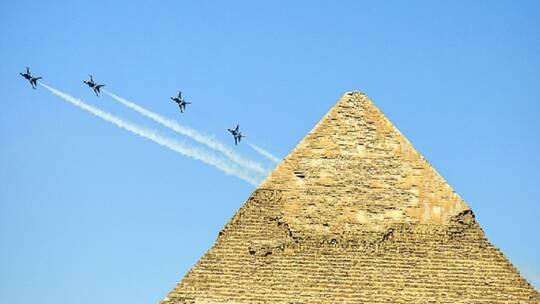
353	215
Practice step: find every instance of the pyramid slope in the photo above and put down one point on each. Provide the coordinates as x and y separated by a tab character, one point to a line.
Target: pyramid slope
354	214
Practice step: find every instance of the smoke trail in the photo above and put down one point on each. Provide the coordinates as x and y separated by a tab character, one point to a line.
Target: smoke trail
155	137
191	133
264	153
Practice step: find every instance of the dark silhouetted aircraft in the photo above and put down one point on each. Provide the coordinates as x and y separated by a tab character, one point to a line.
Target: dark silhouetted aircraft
237	135
94	85
180	102
28	76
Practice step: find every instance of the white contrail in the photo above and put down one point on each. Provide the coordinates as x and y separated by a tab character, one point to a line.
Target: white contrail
176	146
193	134
264	153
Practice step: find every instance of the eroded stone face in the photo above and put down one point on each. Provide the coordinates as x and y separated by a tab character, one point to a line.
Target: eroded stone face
353	215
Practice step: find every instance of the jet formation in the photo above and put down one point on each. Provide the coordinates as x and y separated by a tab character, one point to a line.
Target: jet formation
28	76
94	86
181	102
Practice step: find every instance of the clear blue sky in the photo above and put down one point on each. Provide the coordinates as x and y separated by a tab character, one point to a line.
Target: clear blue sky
90	213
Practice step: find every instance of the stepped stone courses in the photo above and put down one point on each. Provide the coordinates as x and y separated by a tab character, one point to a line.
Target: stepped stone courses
353	215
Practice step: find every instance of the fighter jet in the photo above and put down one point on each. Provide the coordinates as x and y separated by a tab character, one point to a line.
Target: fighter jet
94	85
28	76
180	102
237	135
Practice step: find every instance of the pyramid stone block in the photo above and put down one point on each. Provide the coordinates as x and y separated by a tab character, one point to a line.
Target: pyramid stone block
354	214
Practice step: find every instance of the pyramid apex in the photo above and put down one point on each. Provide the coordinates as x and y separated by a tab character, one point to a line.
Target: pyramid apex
354	92
355	159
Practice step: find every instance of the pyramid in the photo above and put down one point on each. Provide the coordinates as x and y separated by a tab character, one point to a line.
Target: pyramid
354	214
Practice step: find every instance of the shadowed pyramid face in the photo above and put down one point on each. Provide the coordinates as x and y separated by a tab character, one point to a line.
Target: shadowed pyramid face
353	215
